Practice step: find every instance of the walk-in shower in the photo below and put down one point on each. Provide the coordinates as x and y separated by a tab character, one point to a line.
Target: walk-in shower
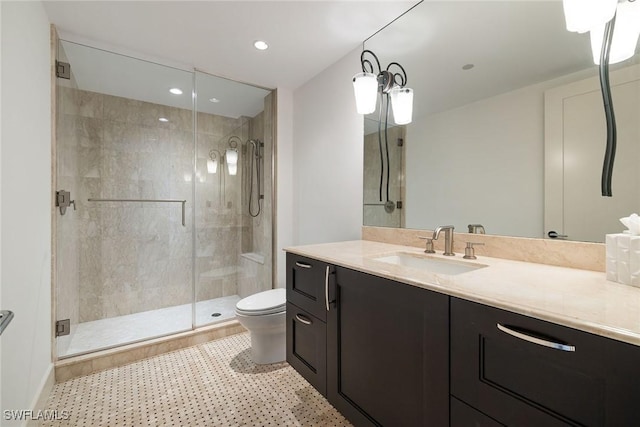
156	241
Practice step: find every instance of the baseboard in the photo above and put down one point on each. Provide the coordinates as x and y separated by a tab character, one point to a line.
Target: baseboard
40	400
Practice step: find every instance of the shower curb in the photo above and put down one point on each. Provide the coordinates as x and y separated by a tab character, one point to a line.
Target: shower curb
77	366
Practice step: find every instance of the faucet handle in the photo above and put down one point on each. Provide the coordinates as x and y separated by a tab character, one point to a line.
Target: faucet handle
429	244
469	253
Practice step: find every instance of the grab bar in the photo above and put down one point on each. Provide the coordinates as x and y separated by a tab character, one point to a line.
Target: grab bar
146	201
5	318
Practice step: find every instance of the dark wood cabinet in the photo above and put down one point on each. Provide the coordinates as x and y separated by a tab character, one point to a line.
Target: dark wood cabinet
503	364
307	346
306	284
388	352
463	415
306	315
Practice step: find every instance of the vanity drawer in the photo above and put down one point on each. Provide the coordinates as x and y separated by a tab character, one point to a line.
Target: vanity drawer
307	346
306	284
501	366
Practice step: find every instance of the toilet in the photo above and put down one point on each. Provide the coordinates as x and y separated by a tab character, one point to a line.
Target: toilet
264	315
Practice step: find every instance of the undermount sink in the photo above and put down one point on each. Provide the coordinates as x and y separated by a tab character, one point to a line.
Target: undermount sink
431	264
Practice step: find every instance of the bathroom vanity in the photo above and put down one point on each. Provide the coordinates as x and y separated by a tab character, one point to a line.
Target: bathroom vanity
510	343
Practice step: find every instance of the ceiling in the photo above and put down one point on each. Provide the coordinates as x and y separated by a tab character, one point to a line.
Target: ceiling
305	37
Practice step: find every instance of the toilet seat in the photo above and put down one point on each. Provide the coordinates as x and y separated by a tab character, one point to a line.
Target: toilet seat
267	302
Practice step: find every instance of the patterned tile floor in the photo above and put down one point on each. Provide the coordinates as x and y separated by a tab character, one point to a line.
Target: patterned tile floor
212	384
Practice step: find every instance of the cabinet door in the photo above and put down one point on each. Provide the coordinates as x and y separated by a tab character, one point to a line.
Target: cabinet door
388	352
499	366
306	284
307	346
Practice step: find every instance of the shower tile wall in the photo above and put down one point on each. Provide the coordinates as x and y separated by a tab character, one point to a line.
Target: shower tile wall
218	209
255	272
374	212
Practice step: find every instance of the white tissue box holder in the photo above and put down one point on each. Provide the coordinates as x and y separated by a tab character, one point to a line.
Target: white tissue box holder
623	258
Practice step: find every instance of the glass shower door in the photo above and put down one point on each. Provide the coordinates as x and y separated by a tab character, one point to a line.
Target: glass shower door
125	157
233	212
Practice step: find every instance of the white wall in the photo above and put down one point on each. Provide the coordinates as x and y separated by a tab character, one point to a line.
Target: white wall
26	202
285	223
328	153
481	163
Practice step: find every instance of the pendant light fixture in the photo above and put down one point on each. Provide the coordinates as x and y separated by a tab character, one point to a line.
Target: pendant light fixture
614	28
367	85
373	83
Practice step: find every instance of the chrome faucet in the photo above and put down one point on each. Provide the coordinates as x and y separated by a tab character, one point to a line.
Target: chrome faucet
448	238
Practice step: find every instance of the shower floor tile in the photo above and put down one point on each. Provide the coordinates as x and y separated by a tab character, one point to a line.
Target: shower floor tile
211	384
106	333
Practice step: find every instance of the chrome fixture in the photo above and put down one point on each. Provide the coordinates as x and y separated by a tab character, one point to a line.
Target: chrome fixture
392	88
63	201
448	238
476	229
255	159
429	245
614	27
469	252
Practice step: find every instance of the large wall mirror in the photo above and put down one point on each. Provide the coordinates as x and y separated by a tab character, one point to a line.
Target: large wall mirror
508	127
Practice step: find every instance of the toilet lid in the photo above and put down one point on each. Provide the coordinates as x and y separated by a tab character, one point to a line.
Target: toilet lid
267	302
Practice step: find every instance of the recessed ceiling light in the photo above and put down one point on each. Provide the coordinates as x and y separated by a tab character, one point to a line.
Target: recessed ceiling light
261	45
163	119
214	100
467	67
175	91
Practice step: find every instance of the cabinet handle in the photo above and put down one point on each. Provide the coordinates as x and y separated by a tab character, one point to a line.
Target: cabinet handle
535	340
300	318
303	265
326	288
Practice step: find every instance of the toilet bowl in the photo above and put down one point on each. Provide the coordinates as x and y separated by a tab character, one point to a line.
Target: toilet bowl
264	315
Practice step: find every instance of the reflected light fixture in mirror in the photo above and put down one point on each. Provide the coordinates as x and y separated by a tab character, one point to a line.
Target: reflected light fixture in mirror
625	34
212	161
584	15
231	155
232	160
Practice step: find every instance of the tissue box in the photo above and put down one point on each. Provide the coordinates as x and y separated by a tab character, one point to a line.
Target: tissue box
623	258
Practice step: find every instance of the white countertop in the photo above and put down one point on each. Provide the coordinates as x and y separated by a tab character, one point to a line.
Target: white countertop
580	299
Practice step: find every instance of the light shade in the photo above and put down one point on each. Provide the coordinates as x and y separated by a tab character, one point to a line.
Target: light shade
585	15
402	105
232	160
365	88
212	165
625	34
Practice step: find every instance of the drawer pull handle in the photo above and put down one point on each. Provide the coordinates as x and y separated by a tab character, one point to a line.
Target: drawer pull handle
303	265
326	287
300	318
535	340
